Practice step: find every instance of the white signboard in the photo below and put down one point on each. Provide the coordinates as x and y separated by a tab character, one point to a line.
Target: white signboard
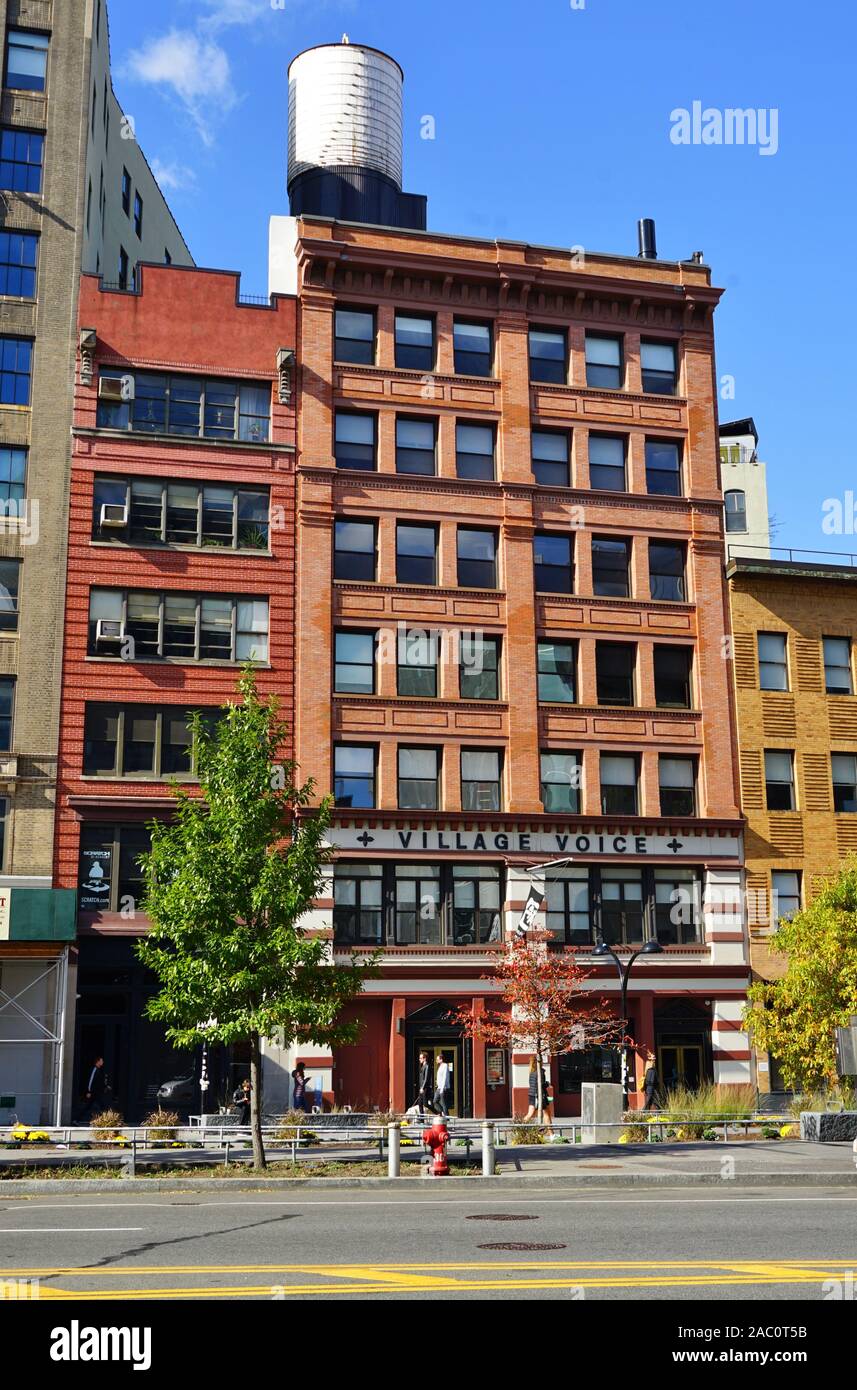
591	844
5	909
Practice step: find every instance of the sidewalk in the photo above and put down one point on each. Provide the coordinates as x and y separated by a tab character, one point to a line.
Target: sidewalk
762	1163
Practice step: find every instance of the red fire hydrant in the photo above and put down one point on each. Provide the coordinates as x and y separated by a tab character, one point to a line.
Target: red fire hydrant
437	1139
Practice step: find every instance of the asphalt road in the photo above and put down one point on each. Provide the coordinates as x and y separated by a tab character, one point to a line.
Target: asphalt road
764	1244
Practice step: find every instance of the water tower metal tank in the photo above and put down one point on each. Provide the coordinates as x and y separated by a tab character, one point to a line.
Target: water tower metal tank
345	136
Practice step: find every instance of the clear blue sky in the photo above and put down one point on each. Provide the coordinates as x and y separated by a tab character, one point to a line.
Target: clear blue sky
553	126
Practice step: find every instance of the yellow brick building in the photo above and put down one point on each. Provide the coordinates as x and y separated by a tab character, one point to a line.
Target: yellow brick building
795	631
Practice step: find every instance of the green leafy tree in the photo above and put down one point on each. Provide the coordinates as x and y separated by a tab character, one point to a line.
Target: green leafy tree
795	1018
226	885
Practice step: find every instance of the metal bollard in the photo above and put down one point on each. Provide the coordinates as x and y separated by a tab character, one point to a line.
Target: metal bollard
488	1160
394	1152
226	1154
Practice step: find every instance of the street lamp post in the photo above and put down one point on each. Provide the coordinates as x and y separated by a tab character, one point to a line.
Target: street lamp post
650	948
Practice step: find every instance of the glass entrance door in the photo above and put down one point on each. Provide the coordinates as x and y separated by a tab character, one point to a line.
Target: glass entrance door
451	1054
680	1064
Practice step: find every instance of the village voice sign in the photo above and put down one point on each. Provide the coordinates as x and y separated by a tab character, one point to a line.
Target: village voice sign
369	840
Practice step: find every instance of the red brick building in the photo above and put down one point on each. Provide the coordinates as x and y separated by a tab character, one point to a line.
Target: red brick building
180	568
510	590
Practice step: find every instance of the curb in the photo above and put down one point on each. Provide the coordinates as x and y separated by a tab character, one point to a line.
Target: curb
62	1186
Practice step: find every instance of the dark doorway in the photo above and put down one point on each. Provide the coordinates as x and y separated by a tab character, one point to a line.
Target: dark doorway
683	1045
429	1030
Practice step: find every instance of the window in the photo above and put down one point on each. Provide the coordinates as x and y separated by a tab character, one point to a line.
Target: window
785	886
416	673
354	550
168	260
88	206
611	561
779	781
666	571
607	462
736	510
838	679
354	445
418	904
677	780
18	251
472	348
163	513
672	677
21	155
139	741
773	662
415	342
553	567
354	775
110	874
16	365
357	903
415	446
567	916
604	362
618	785
7	704
123	268
13	472
189	406
126	192
475	905
479	667
844	768
354	336
474	451
416	554
663	468
678	907
418	779
480	780
477	559
10	571
354	668
138	215
658	363
589	1064
550	458
556	667
548	355
185	627
26	60
614	672
622	905
560	782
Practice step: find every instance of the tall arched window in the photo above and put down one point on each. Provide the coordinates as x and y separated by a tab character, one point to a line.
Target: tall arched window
736	510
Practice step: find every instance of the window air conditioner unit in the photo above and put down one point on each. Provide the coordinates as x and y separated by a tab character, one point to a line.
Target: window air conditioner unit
116	388
109	630
114	514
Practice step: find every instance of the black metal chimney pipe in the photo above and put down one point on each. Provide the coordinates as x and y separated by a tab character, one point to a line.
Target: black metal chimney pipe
646	235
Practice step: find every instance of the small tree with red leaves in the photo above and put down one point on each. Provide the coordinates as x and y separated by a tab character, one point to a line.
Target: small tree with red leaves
546	1009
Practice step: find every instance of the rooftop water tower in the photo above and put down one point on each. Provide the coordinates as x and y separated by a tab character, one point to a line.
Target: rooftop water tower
345	137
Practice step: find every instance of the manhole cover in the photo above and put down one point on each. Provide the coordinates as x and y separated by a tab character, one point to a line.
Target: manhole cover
500	1216
519	1245
599	1165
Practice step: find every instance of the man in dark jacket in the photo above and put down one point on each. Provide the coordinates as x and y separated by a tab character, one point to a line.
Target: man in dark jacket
93	1091
424	1085
241	1101
651	1082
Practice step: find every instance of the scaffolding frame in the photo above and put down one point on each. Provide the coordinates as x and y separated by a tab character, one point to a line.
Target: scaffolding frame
51	1037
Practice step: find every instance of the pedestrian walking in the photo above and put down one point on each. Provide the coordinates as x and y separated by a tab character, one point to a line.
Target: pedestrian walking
241	1099
93	1091
442	1086
300	1082
424	1088
533	1097
651	1082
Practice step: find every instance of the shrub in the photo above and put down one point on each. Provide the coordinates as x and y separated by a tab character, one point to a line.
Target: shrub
527	1134
710	1134
770	1132
634	1134
287	1129
165	1120
108	1124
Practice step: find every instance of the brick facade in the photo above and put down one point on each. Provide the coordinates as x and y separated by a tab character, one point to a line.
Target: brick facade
515	288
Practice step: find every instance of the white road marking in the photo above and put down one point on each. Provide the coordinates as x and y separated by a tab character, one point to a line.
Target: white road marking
513	1197
65	1230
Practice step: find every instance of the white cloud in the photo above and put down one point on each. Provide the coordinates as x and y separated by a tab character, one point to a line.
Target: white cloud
174	177
196	70
222	13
